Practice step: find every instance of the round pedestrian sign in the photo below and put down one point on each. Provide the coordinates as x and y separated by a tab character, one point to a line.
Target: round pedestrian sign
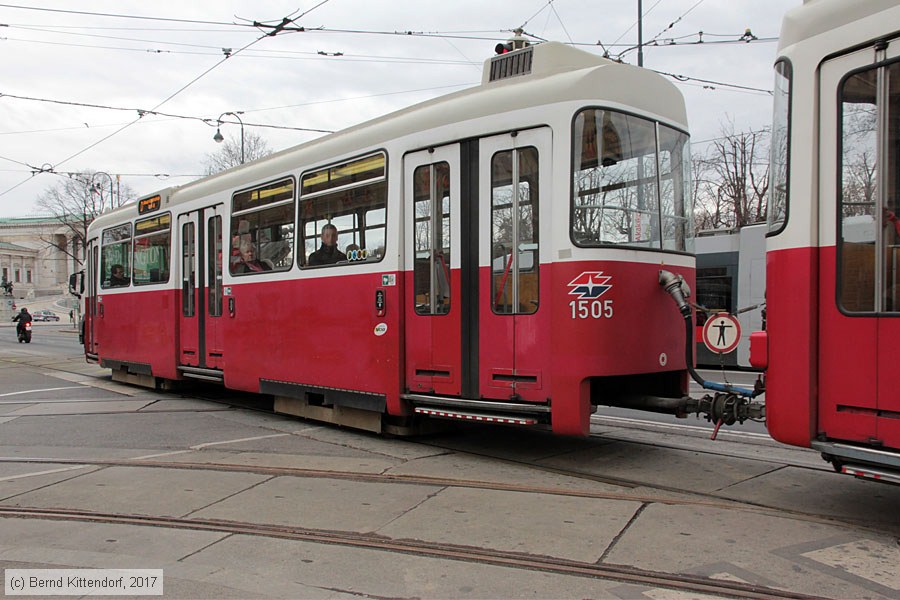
721	333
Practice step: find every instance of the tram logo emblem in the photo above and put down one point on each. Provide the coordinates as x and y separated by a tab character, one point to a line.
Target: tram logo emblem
590	285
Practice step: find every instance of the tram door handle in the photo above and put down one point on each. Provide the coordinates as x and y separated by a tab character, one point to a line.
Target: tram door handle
100	308
379	303
231	307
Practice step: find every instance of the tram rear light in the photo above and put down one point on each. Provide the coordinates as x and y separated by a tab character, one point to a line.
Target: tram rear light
759	349
503	48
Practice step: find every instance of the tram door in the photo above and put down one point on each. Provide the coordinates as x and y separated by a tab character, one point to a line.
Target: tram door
92	279
513	228
200	255
433	312
860	279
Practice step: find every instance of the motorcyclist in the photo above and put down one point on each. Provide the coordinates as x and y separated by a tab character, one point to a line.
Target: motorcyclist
23	317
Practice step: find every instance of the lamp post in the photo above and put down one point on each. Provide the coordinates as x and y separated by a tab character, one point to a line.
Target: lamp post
641	34
219	138
96	187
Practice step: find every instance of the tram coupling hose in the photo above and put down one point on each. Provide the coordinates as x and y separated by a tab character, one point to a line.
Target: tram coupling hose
675	286
678	289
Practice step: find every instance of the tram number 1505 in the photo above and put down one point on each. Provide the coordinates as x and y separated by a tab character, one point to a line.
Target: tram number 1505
591	309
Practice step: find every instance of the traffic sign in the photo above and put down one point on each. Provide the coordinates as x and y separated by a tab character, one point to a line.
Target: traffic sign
721	333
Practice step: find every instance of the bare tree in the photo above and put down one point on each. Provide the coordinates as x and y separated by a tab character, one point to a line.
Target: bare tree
75	202
731	181
859	175
229	154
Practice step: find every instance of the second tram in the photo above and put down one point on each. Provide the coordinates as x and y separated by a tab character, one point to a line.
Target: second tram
833	247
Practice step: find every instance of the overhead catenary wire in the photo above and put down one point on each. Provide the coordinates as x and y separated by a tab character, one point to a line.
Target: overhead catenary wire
252	52
274	29
119	15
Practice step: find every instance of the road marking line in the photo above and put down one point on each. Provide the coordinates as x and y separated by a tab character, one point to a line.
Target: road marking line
72	401
51	471
161	454
75	387
249	439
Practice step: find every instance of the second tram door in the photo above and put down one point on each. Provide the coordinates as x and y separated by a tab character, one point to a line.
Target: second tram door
433	316
859	268
200	255
513	223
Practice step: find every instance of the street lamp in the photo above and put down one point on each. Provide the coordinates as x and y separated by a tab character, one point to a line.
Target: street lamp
219	138
96	187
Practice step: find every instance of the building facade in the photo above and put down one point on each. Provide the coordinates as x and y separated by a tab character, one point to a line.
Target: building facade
37	255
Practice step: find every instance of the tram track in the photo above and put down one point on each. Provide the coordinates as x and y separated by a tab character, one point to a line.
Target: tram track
472	554
693	499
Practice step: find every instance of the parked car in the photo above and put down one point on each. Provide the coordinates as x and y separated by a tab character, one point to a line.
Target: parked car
44	315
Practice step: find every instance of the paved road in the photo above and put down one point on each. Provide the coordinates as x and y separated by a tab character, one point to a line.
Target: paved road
641	497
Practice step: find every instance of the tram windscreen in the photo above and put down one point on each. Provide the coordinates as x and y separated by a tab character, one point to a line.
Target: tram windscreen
630	183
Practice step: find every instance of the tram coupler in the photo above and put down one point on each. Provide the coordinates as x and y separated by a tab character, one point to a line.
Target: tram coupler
726	409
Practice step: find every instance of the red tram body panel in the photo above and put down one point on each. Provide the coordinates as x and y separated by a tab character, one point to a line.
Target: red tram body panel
833	251
490	255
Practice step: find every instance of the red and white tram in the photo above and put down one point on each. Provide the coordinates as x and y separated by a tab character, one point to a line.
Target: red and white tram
497	259
833	248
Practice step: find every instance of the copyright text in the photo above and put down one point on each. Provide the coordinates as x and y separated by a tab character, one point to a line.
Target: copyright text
81	582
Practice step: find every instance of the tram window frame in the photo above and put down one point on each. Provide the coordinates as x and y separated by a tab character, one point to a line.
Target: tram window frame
778	207
432	205
524	264
341	194
164	231
113	239
214	265
860	259
188	253
617	147
264	217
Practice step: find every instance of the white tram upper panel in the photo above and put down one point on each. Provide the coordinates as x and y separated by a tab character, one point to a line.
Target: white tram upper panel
558	74
821	16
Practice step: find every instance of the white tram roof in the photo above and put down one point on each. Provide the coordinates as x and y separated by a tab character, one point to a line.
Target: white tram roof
815	17
559	73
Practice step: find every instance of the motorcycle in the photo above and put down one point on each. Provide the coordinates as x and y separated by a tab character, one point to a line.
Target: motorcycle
24	332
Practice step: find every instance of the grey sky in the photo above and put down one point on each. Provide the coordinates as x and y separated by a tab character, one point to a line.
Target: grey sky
284	81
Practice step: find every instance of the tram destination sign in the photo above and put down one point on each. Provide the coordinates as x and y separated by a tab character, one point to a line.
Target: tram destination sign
147	205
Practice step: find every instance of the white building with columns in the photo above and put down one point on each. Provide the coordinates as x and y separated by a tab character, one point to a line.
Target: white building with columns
36	255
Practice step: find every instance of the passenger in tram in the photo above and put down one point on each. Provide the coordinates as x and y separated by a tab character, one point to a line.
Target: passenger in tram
328	252
249	263
117	276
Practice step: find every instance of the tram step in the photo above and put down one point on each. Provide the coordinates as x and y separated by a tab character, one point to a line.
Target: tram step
200	373
490	406
867	472
443	413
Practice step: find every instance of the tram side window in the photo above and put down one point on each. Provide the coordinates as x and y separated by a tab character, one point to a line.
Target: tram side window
515	256
262	229
675	190
152	242
214	265
779	152
348	200
115	257
625	192
869	251
431	215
